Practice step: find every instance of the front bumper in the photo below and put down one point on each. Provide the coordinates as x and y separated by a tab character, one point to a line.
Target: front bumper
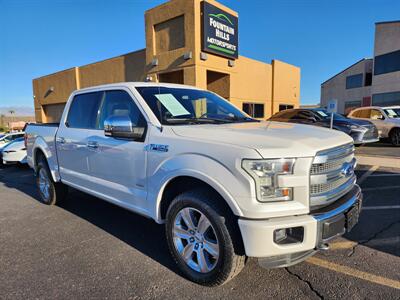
319	227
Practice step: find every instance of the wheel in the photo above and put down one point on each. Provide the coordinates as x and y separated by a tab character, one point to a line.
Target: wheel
203	239
395	137
50	192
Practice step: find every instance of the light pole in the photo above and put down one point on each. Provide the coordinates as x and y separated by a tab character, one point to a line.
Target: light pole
12	112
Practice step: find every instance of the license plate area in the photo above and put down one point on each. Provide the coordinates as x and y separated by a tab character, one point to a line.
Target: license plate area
352	217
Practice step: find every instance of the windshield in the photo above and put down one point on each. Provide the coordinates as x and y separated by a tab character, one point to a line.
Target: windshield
174	106
392	112
324	115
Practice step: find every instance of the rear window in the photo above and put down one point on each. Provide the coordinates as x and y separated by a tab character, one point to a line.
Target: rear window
84	110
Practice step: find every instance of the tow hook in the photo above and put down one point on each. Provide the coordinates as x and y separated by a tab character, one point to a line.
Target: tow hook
322	247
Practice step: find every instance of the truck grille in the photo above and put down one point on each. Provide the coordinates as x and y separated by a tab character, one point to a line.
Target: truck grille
332	175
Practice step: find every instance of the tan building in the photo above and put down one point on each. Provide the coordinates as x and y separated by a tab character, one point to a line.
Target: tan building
189	42
373	81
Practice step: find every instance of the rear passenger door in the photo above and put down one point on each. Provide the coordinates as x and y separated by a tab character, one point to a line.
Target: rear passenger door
73	136
118	166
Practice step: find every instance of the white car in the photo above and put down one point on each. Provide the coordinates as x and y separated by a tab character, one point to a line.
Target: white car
7	138
386	119
225	185
14	152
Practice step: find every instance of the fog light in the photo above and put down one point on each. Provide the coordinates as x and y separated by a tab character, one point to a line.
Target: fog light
285	236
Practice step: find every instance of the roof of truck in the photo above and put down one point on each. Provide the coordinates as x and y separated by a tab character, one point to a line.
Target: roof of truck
139	84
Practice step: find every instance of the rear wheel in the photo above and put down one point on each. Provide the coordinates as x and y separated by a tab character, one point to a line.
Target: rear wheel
395	137
202	239
50	192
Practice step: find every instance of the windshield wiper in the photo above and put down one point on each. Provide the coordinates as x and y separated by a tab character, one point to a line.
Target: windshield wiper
195	120
243	119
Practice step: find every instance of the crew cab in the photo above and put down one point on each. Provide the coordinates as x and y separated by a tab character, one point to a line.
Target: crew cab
225	186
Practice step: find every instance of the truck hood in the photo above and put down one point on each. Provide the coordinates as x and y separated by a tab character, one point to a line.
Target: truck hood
270	139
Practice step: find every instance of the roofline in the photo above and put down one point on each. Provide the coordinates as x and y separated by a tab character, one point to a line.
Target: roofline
387	22
346	69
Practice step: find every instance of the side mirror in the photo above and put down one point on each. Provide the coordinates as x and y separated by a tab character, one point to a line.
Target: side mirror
122	127
312	119
381	117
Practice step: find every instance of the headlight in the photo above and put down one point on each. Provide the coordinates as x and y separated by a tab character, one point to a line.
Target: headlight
265	174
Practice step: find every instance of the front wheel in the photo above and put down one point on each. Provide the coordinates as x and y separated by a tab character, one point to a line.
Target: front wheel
202	239
395	137
50	192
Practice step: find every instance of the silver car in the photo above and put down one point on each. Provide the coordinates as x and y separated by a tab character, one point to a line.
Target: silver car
386	119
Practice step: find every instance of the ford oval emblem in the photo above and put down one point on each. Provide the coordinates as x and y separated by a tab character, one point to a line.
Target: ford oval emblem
347	169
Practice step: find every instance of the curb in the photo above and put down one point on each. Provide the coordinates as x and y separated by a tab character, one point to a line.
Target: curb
378	161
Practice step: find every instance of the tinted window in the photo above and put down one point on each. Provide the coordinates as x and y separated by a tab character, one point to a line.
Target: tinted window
303	115
368	79
376	114
84	111
354	81
386	63
386	99
119	103
254	110
364	113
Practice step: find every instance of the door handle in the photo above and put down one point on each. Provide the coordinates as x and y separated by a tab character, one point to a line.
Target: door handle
60	140
92	145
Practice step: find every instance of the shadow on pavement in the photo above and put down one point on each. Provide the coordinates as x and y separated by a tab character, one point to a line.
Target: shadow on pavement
139	232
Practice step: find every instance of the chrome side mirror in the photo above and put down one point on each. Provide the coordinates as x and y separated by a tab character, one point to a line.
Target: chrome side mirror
122	127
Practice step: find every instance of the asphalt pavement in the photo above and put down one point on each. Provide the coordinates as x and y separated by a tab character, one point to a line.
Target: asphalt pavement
380	149
88	248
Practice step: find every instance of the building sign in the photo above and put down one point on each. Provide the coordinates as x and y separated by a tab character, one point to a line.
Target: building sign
220	32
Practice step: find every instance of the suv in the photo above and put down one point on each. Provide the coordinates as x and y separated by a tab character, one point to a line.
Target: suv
7	138
386	119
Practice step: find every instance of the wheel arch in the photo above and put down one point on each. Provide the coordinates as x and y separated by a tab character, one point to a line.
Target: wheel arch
41	149
182	183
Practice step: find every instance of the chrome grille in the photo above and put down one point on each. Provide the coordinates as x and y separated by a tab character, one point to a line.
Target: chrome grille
332	175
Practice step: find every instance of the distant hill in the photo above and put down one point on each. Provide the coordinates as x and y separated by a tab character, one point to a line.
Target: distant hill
19	110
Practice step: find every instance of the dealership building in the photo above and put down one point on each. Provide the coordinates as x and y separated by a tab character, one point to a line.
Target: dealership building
190	42
370	81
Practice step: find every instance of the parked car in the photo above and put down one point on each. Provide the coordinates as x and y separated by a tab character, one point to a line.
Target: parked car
361	131
225	185
14	152
7	138
386	119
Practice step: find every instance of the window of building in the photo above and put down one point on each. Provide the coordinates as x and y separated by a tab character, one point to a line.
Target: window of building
386	63
285	106
354	81
386	99
254	110
368	79
84	110
350	105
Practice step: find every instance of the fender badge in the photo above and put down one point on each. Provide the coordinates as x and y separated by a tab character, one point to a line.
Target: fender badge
156	148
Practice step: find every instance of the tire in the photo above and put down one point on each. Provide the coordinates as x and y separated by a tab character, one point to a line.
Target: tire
50	192
219	255
395	137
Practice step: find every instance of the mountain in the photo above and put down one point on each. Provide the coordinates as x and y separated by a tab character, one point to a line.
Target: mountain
19	110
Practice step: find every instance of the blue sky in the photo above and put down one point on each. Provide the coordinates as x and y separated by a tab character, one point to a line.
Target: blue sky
38	37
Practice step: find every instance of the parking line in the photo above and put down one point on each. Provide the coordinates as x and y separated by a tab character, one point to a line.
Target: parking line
381	207
354	273
366	174
383	175
391	187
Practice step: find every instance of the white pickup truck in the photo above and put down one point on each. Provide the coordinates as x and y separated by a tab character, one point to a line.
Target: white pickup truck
226	186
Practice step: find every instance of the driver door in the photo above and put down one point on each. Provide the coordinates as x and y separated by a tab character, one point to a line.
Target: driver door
118	166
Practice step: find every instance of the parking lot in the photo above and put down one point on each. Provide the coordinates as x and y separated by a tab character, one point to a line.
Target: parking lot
87	248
